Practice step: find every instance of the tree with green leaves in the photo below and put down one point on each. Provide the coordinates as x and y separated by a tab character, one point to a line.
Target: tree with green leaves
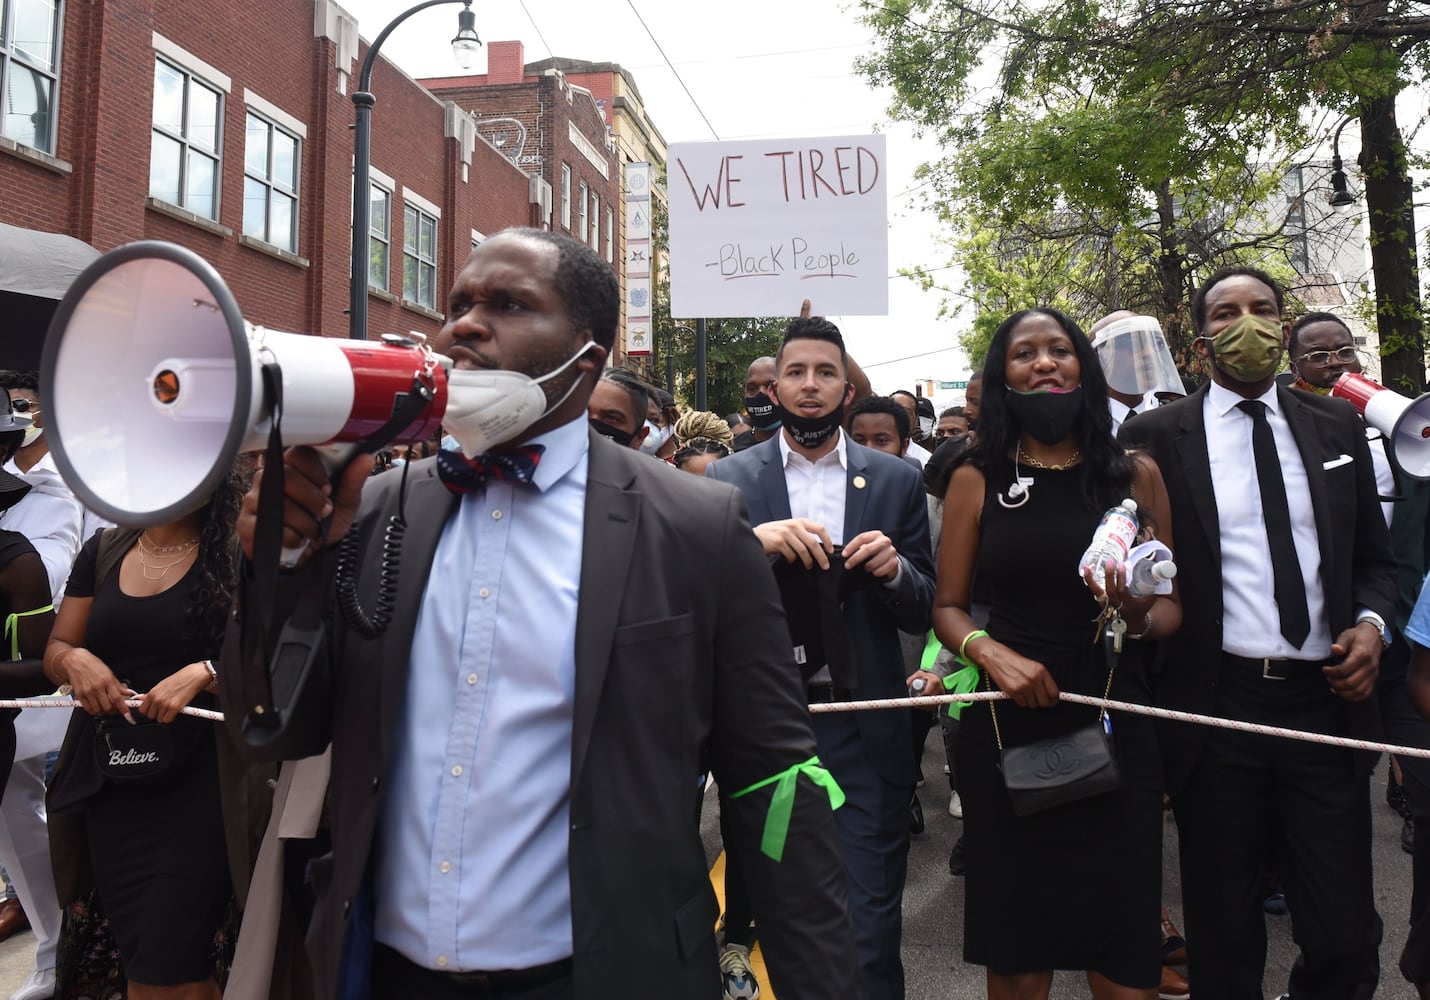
1160	125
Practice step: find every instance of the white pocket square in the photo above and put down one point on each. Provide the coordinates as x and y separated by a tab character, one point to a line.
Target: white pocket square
1336	463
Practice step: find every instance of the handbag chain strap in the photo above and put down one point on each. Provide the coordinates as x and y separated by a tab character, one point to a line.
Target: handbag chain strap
1113	655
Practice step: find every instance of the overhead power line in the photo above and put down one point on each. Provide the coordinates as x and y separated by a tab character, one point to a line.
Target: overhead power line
549	53
672	68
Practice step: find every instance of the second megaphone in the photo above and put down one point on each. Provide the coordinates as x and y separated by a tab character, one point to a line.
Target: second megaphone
153	383
1405	422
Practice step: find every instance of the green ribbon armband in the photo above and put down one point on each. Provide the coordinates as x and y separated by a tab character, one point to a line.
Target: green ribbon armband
960	682
772	841
12	627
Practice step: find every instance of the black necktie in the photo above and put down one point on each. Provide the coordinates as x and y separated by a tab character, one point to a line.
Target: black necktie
461	474
1285	566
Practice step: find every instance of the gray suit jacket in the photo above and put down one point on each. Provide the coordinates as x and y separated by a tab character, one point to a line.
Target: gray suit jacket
682	662
885	493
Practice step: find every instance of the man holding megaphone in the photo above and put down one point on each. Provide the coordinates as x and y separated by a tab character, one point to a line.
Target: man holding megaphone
514	761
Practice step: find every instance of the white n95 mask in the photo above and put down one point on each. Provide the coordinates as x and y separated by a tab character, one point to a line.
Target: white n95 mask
488	407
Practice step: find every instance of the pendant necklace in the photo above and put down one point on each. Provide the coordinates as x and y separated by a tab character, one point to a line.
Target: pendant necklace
176	554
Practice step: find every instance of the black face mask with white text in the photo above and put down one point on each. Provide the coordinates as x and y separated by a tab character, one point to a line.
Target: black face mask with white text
811	432
761	409
622	438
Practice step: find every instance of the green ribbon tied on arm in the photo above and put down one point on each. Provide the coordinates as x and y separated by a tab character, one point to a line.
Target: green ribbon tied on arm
772	841
12	627
961	682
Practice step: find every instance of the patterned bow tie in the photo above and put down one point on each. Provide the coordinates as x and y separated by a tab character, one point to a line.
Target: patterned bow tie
461	474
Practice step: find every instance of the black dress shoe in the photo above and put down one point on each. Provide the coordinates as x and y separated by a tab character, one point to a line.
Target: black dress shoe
1395	794
957	865
916	815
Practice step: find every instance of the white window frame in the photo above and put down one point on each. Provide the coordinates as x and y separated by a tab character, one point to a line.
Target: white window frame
378	181
593	237
421	208
566	196
277	121
194	70
610	235
11	58
584	203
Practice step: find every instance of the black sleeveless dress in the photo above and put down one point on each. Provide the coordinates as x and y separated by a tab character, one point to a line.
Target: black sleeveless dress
157	846
1079	886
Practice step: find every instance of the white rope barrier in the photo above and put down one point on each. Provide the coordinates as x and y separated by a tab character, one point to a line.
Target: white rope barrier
199	713
932	700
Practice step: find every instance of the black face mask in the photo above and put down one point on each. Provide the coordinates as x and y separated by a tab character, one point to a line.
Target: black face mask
761	409
811	432
1048	416
622	438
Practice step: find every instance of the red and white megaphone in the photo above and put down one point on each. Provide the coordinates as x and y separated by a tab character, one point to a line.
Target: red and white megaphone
1405	422
152	382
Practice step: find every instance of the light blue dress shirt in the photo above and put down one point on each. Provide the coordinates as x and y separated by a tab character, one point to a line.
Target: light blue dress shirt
472	865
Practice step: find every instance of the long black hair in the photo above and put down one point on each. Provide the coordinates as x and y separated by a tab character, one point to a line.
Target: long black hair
998	430
209	602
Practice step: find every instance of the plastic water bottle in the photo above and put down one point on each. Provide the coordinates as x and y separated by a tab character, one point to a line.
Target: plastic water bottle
1144	575
1112	540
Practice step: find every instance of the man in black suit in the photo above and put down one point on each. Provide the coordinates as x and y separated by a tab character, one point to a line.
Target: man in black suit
514	799
1287	581
810	492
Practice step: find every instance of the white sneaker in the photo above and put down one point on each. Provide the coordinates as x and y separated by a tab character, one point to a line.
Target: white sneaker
955	806
737	978
40	985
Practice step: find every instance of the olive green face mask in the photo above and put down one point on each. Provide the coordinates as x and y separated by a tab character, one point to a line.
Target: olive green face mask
1249	350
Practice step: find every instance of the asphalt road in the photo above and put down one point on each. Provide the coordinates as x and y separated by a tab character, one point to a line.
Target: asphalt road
933	902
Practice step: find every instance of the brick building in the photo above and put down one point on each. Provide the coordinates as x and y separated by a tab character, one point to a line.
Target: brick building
574	123
230	133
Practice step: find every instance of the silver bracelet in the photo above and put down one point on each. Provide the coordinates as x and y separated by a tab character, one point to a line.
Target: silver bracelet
1147	626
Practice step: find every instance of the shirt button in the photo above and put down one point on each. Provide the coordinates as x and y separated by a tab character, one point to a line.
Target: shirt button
457	771
442	961
445	867
485	592
496	515
471	678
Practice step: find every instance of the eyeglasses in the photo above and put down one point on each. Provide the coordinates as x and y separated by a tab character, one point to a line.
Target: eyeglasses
1343	355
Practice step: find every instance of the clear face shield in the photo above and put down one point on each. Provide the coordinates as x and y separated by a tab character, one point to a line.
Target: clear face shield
1135	357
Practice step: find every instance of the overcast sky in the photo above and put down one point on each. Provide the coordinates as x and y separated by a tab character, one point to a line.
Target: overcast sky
754	69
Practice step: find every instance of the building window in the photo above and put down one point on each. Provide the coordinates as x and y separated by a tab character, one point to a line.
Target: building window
594	237
271	159
184	147
29	71
566	196
379	237
610	236
419	257
584	204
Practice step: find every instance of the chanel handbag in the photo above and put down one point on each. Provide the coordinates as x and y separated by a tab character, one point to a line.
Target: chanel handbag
132	753
1058	770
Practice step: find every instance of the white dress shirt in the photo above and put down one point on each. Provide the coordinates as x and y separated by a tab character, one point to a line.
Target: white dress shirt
1384	474
816	489
1251	624
918	453
51	517
1120	410
472	854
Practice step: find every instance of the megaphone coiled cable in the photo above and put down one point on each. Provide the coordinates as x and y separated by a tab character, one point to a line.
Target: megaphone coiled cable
374	625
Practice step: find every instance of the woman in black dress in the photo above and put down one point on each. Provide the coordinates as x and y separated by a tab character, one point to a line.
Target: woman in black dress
1091	869
143	617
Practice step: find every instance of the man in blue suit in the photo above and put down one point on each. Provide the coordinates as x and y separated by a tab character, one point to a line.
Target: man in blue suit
818	499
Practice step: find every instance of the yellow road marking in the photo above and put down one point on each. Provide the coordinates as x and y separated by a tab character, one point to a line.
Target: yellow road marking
757	957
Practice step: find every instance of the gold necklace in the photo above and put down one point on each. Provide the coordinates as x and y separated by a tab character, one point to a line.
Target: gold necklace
164	550
145	566
1027	459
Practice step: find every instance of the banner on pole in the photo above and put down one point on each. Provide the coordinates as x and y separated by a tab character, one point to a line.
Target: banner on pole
638	298
759	225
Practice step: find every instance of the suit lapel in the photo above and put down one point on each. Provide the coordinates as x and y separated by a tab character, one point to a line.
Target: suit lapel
1303	429
772	492
1191	446
856	495
429	504
611	519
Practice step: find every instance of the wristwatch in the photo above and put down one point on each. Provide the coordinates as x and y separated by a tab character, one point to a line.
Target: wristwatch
213	671
1379	623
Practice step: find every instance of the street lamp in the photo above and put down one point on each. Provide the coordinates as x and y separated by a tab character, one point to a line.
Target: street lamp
1341	196
464	48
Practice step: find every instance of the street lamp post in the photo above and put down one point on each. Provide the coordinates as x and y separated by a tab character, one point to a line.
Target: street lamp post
1341	196
464	47
700	364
